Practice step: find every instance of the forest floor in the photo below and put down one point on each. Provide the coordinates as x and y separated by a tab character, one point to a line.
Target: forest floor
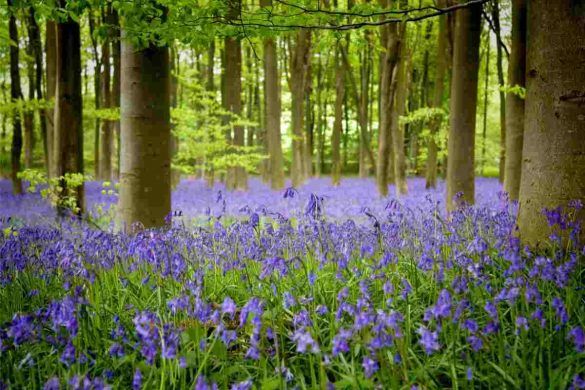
317	288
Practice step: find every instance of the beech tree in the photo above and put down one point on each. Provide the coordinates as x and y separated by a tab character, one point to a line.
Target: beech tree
145	155
15	96
553	153
461	146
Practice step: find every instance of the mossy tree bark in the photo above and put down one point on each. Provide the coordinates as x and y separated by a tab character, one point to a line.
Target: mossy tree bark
553	170
514	103
461	144
145	171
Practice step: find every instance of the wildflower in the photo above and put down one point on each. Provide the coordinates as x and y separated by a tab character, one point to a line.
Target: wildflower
560	310
137	380
429	340
202	384
228	307
304	341
370	366
521	323
578	336
116	350
475	342
245	385
52	384
469	374
340	342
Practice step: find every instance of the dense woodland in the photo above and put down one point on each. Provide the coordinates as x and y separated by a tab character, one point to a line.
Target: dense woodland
226	89
292	194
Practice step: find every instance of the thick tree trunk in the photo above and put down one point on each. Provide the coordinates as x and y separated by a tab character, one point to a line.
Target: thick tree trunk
486	100
210	88
514	103
442	63
398	109
553	171
68	108
273	111
338	121
461	147
15	95
501	82
105	138
145	171
300	58
51	77
97	93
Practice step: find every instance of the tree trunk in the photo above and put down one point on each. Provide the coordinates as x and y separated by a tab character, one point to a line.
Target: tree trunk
442	64
398	109
461	147
68	108
51	76
338	122
105	138
514	103
501	82
273	110
485	103
35	39
210	87
384	166
97	94
300	58
145	171
15	96
115	97
29	115
553	171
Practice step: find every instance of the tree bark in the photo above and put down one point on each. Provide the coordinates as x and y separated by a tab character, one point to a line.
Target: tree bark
273	110
338	121
29	115
105	138
68	108
442	64
501	82
461	146
514	103
388	73
145	171
300	58
115	97
15	96
398	109
51	77
553	171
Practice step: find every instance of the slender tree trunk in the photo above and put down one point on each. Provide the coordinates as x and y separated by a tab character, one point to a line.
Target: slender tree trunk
461	147
97	92
501	82
37	48
514	103
105	137
442	64
51	75
485	102
68	108
29	115
553	170
300	58
145	172
210	88
398	109
338	122
115	97
15	96
273	110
